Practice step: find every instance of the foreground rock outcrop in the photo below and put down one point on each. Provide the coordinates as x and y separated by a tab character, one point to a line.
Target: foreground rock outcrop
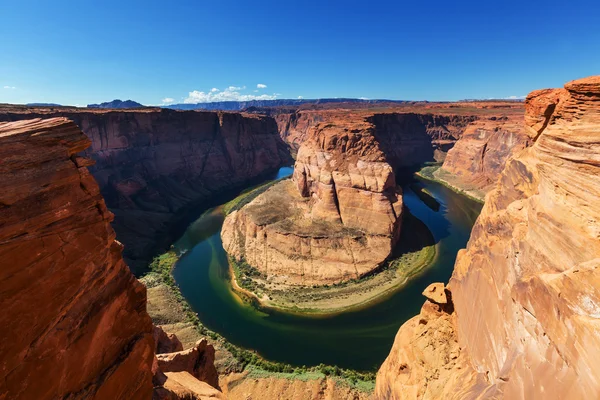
526	291
151	164
337	220
74	321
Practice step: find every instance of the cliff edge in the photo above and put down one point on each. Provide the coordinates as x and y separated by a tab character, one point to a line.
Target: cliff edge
526	291
74	321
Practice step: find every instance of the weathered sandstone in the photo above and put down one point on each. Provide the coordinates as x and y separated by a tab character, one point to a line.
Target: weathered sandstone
165	342
74	321
198	361
183	386
479	156
526	291
339	218
152	163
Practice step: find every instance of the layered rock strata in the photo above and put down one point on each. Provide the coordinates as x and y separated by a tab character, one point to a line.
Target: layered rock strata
338	219
152	163
74	321
526	289
409	137
479	156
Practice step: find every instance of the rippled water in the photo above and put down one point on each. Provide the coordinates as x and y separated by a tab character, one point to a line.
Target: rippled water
357	339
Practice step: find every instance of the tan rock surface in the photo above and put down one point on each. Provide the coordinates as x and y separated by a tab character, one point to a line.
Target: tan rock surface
74	321
436	293
526	289
245	387
183	386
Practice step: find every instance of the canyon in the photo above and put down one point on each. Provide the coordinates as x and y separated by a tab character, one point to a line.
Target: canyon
518	319
521	320
340	217
151	165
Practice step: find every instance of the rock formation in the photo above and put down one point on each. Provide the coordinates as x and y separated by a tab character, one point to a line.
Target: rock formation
74	321
152	163
526	291
339	218
198	361
479	156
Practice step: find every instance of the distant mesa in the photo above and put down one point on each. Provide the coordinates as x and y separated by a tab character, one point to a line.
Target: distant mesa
117	104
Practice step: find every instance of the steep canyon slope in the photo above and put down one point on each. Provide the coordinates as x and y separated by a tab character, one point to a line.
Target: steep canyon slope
152	163
523	316
74	321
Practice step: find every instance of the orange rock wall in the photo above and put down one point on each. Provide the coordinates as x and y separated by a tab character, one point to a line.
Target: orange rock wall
526	291
74	321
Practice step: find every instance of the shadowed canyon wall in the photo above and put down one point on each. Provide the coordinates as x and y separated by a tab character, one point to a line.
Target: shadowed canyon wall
150	164
523	318
74	321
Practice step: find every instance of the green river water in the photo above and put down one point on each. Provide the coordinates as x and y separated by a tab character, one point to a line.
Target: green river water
358	339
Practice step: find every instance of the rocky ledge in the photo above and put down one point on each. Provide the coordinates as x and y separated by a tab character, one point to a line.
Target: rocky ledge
526	291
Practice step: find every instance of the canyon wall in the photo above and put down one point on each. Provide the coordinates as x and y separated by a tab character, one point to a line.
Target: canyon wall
525	294
74	321
338	220
152	163
476	161
409	137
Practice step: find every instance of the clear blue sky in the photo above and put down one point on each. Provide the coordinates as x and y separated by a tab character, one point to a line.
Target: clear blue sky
79	52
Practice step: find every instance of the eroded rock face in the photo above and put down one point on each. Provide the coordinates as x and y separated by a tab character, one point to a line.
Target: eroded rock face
152	163
409	138
165	342
338	219
479	156
74	321
198	361
527	289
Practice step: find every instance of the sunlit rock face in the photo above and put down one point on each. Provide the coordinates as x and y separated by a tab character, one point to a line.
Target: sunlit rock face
526	291
479	156
337	219
74	321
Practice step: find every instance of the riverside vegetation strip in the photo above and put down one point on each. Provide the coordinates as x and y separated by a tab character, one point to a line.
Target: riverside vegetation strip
416	250
167	305
433	172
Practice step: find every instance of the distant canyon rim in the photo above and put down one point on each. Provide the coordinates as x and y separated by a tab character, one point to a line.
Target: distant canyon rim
518	319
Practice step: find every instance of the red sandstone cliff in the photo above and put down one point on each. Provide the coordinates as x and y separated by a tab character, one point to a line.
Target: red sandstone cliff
74	321
152	163
526	291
